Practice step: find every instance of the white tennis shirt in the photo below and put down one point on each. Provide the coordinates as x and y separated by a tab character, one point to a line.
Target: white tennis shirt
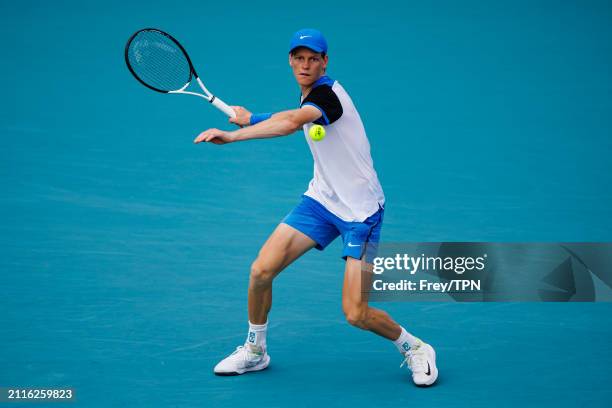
344	179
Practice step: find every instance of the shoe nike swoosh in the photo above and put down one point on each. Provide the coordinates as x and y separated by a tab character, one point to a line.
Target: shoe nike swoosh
428	369
351	245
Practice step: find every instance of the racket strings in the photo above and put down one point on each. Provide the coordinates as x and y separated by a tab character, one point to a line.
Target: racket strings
158	61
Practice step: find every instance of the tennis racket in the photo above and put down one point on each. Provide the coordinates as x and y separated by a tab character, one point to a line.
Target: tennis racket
159	62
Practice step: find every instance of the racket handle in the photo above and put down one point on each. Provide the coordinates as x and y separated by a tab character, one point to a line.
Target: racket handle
222	106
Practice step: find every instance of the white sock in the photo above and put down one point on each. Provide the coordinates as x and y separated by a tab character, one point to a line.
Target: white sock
256	337
405	341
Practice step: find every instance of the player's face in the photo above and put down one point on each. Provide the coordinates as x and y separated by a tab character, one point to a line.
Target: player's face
307	65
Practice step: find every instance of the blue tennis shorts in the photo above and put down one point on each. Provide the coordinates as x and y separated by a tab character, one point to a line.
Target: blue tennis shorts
316	221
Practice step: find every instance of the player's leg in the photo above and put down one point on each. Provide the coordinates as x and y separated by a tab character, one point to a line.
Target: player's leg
301	230
284	245
420	356
355	305
360	241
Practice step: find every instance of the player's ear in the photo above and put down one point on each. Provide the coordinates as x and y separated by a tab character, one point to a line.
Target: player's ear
289	59
325	60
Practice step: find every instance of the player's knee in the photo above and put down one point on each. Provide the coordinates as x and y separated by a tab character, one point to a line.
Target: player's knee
356	315
260	274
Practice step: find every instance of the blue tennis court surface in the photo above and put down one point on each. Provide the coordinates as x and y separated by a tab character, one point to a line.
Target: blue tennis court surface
126	248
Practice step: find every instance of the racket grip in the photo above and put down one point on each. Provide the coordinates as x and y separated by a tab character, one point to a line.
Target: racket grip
222	106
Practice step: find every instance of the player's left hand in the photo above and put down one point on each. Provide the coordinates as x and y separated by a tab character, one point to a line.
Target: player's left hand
215	136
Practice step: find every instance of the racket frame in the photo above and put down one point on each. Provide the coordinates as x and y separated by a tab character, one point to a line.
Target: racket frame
215	101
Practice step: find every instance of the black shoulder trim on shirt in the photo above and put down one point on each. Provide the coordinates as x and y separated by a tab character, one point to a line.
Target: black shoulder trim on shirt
325	99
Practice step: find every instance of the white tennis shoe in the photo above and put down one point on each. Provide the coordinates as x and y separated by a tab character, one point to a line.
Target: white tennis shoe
242	360
421	359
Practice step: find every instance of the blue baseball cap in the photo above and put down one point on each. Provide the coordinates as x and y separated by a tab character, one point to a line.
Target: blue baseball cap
309	38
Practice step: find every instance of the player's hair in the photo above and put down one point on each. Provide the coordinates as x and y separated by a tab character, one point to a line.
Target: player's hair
295	50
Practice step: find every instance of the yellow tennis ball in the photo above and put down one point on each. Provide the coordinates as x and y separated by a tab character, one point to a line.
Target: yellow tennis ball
317	133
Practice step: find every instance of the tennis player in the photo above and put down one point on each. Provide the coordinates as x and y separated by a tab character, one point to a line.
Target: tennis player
344	198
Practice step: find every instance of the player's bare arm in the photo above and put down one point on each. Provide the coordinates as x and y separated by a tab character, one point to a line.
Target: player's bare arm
280	124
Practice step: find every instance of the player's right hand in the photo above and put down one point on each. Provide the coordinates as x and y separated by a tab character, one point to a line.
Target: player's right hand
243	116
